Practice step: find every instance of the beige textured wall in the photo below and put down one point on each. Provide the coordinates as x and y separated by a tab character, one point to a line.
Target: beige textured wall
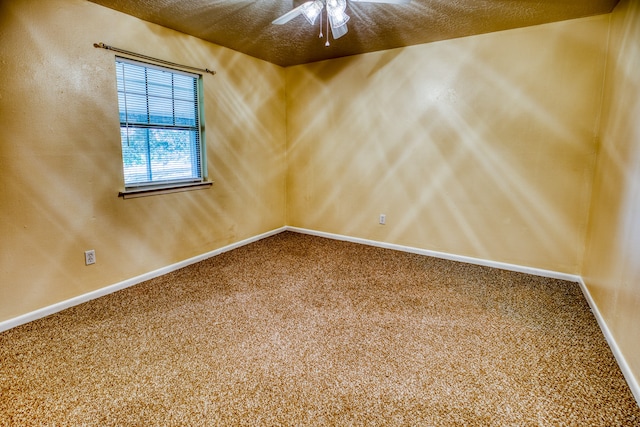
612	264
481	146
60	157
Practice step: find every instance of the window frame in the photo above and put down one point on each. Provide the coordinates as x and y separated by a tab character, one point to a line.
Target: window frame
149	188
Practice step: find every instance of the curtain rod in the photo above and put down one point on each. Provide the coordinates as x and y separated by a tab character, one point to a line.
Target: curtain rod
149	58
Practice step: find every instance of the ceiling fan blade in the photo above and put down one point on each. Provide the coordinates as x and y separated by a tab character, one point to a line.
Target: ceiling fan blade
382	1
290	15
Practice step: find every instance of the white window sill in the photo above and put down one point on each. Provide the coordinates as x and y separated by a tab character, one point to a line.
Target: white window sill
132	193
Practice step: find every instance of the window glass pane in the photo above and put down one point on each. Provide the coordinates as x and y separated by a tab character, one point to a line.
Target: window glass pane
159	83
185	113
134	76
135	107
160	110
159	155
183	87
172	157
135	155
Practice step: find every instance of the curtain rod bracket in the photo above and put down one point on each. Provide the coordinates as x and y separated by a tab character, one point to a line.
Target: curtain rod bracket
149	58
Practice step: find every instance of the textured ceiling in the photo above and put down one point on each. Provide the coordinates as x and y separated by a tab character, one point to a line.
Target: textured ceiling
245	25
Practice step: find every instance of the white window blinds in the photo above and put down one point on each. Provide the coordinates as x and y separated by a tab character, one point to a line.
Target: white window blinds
159	124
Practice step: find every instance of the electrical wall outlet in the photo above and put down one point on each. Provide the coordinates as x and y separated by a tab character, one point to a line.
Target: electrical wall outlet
383	219
90	257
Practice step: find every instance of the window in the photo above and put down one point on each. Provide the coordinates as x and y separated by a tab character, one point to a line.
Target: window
160	127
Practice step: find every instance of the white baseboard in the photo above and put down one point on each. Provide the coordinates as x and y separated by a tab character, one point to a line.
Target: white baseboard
62	305
617	353
469	260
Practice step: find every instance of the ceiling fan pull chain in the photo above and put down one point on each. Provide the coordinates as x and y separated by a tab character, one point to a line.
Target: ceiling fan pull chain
320	35
327	43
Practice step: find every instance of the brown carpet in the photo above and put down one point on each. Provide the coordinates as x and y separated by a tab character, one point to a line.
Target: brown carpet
301	330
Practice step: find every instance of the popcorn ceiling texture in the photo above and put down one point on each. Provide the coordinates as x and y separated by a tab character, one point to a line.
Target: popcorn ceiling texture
245	26
301	330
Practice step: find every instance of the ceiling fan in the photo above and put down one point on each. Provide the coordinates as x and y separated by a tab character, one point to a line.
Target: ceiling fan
334	11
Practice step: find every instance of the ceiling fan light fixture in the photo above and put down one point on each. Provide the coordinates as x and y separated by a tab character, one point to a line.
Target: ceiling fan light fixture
338	19
338	30
311	10
333	6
